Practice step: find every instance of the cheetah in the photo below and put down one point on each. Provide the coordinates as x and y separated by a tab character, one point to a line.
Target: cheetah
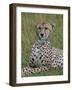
43	56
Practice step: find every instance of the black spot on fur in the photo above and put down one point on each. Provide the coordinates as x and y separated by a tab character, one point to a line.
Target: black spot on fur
45	52
42	61
41	56
55	61
40	52
58	66
29	70
49	64
34	55
45	69
37	47
26	68
61	63
32	59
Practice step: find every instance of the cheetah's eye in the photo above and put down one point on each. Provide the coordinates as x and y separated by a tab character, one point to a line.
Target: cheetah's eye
39	28
46	28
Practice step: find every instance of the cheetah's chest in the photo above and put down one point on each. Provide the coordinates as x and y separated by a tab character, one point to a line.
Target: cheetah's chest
41	55
42	52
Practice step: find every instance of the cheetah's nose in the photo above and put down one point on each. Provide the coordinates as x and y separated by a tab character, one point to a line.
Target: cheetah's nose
42	35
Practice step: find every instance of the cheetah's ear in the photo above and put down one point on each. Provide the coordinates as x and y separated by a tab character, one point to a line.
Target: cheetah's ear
53	25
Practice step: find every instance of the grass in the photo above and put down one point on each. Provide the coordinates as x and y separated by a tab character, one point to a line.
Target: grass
28	34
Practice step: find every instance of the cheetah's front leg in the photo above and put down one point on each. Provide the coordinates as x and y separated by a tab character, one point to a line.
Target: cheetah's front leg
28	71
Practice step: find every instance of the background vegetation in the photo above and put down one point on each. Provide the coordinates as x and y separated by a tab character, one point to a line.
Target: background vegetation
28	34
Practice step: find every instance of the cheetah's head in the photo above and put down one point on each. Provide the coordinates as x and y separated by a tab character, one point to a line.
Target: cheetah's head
43	30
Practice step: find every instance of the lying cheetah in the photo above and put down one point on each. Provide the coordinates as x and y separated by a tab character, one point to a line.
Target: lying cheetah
43	56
